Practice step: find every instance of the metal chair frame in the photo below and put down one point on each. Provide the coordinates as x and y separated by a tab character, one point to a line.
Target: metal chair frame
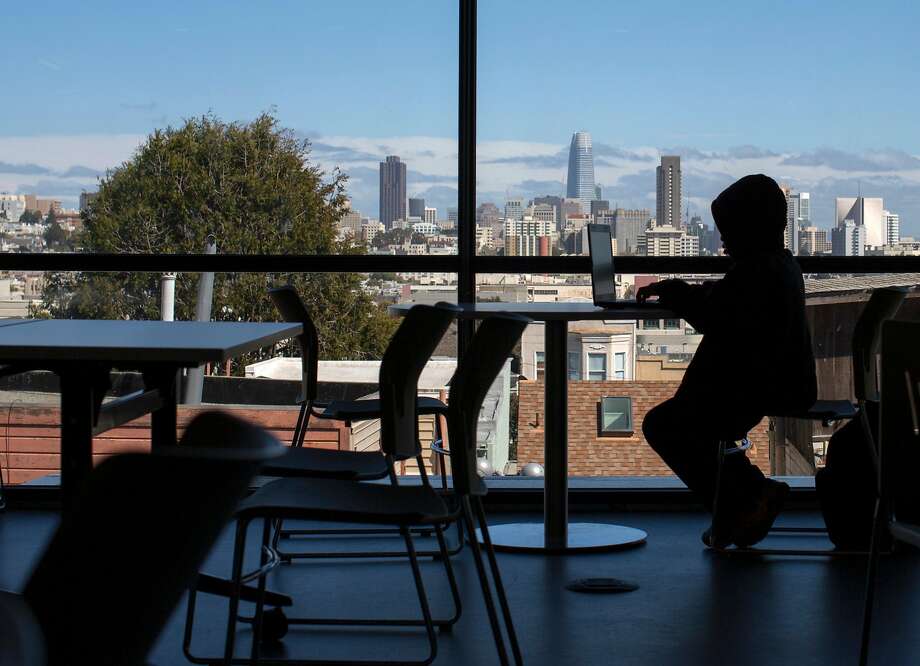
490	346
292	308
899	424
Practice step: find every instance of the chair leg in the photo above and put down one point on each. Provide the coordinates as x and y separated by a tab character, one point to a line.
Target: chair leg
497	580
297	439
451	579
260	603
422	595
484	582
239	547
871	573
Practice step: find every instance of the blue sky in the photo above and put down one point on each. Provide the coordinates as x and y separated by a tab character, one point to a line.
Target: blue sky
825	92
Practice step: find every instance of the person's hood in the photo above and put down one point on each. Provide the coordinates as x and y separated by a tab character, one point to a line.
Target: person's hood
751	214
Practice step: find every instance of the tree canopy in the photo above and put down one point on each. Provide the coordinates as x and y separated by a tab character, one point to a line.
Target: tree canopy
253	187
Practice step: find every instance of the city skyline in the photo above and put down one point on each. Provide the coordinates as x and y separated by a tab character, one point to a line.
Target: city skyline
729	66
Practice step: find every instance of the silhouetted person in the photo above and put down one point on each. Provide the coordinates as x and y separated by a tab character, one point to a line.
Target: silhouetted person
755	359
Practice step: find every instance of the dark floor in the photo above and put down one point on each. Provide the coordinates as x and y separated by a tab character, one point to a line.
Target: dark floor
692	608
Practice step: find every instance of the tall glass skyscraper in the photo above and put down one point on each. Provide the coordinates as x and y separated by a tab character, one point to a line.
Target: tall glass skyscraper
581	170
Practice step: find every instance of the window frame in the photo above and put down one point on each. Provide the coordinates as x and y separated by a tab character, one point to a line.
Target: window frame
629	427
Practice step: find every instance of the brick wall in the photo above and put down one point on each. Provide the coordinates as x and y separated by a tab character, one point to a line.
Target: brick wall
616	455
30	437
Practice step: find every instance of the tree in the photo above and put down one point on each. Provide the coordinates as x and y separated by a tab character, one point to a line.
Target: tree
54	235
30	217
51	219
253	187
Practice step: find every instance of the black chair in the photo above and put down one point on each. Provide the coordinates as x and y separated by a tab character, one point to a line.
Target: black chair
393	504
311	462
120	561
899	430
882	305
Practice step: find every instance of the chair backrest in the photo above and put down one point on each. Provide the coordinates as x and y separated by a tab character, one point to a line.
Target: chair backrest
882	305
292	309
409	350
142	526
481	362
899	411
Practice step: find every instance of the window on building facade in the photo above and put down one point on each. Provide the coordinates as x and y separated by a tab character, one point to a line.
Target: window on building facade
651	323
539	364
671	324
619	365
615	415
597	367
573	366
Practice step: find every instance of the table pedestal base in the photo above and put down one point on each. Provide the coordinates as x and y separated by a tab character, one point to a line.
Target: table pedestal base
583	538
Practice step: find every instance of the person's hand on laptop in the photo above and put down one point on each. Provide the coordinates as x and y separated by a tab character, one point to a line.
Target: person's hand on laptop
670	293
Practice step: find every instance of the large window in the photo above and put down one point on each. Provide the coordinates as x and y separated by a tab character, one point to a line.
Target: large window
597	367
616	415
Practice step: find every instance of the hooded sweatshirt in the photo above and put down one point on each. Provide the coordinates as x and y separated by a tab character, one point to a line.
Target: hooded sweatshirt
755	358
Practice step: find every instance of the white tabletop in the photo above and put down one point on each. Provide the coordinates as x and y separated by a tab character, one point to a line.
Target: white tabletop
183	343
562	311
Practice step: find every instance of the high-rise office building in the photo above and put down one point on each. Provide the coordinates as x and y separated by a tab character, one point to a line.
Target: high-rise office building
628	225
514	209
581	170
392	191
798	216
668	192
598	192
417	207
430	215
555	202
708	243
543	213
849	239
892	227
865	212
598	205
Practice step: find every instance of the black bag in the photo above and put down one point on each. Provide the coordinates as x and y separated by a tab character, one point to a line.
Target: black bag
846	485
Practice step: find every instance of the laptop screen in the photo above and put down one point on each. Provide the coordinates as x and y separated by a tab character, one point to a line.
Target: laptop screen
602	284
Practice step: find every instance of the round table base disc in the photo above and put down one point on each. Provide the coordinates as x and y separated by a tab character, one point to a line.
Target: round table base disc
601	585
583	538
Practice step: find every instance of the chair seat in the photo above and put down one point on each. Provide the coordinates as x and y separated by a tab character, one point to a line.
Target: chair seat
346	501
829	410
305	461
365	410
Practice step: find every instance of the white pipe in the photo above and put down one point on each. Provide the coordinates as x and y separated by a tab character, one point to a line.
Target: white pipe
168	297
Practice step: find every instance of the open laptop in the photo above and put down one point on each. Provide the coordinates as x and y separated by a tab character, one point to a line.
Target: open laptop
603	284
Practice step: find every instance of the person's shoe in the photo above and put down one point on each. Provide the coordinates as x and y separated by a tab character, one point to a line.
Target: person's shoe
715	543
753	527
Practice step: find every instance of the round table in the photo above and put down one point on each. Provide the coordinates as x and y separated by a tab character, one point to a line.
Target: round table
556	534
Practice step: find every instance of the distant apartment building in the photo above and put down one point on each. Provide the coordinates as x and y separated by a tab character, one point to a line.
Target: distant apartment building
514	209
596	351
426	228
392	191
485	237
430	215
529	238
668	241
370	229
542	212
892	227
580	184
814	242
865	212
571	207
849	239
668	192
12	206
628	225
